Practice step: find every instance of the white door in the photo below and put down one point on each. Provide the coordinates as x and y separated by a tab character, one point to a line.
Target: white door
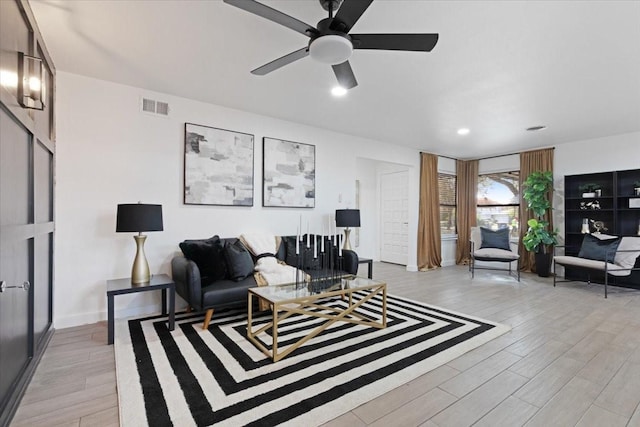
394	208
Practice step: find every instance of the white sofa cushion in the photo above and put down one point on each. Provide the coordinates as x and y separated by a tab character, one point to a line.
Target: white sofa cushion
628	259
624	259
495	254
574	261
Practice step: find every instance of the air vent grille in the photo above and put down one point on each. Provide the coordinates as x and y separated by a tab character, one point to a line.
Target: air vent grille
162	108
155	107
148	105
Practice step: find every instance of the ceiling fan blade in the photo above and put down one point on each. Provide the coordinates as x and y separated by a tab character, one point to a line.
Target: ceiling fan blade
348	14
345	75
413	42
271	14
281	62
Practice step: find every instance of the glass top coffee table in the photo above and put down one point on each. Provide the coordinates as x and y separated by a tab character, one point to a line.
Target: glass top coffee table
306	298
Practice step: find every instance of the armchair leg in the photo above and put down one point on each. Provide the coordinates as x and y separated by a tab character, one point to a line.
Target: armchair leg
207	319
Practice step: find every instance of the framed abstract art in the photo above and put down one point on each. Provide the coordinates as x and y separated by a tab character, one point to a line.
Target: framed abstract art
218	166
289	174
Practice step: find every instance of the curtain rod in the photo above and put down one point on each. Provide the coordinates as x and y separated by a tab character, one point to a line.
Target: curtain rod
496	156
440	155
513	154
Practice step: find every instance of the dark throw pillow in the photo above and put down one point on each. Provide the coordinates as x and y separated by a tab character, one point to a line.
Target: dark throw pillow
598	249
289	243
239	261
208	256
498	239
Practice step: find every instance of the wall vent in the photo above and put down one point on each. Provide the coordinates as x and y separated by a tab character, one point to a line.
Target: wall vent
148	105
162	108
155	107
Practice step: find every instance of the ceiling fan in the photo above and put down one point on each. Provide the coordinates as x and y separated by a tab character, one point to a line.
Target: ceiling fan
330	42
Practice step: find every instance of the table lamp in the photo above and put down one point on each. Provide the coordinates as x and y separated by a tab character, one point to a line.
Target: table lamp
138	218
347	218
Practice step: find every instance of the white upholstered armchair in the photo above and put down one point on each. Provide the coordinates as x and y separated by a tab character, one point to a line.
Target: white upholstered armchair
492	246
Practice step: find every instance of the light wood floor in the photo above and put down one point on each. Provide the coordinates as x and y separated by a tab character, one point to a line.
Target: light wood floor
571	358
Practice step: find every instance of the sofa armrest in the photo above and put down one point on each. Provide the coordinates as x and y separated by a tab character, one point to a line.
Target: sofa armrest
186	276
350	261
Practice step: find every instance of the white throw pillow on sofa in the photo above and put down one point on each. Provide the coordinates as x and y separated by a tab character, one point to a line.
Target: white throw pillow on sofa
628	259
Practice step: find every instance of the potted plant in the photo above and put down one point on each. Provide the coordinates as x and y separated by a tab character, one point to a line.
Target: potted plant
636	188
538	237
590	189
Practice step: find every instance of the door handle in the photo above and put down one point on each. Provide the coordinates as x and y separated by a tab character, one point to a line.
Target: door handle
25	285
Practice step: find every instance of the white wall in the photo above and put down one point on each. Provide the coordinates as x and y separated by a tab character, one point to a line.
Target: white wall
499	164
108	152
368	242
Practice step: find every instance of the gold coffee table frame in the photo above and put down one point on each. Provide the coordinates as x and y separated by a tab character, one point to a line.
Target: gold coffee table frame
287	300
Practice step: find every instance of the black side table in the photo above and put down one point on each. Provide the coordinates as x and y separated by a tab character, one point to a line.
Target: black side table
124	286
367	261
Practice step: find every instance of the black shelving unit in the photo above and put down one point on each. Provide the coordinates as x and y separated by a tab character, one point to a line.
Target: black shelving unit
617	189
628	218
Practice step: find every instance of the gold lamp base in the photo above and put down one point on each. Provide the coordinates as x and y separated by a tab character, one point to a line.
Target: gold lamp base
140	271
347	243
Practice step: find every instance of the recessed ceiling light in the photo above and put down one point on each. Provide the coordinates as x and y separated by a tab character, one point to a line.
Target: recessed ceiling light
338	91
463	131
535	128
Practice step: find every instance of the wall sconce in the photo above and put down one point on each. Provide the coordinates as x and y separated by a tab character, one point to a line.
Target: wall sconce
31	83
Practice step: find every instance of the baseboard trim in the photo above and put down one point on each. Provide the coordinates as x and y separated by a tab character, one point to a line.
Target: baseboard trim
61	322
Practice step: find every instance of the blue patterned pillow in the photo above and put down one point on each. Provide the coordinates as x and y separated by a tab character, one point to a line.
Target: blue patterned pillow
498	239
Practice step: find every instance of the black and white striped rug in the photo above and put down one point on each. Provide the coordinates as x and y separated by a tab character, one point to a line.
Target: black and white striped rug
196	377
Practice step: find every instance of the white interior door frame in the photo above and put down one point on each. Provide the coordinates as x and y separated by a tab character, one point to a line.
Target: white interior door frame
394	215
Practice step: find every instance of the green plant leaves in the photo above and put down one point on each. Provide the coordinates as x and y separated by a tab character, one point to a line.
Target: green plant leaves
536	187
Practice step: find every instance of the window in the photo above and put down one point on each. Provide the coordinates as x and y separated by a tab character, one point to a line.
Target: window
498	201
447	190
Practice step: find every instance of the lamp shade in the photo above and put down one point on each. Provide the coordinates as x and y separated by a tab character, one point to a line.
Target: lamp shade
347	217
138	218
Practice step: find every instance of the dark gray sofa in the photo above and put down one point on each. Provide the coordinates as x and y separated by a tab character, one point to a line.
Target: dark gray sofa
203	292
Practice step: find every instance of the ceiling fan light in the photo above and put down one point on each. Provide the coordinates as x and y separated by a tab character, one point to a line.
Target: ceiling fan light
338	91
330	49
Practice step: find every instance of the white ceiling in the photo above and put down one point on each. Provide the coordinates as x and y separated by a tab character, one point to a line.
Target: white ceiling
498	68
